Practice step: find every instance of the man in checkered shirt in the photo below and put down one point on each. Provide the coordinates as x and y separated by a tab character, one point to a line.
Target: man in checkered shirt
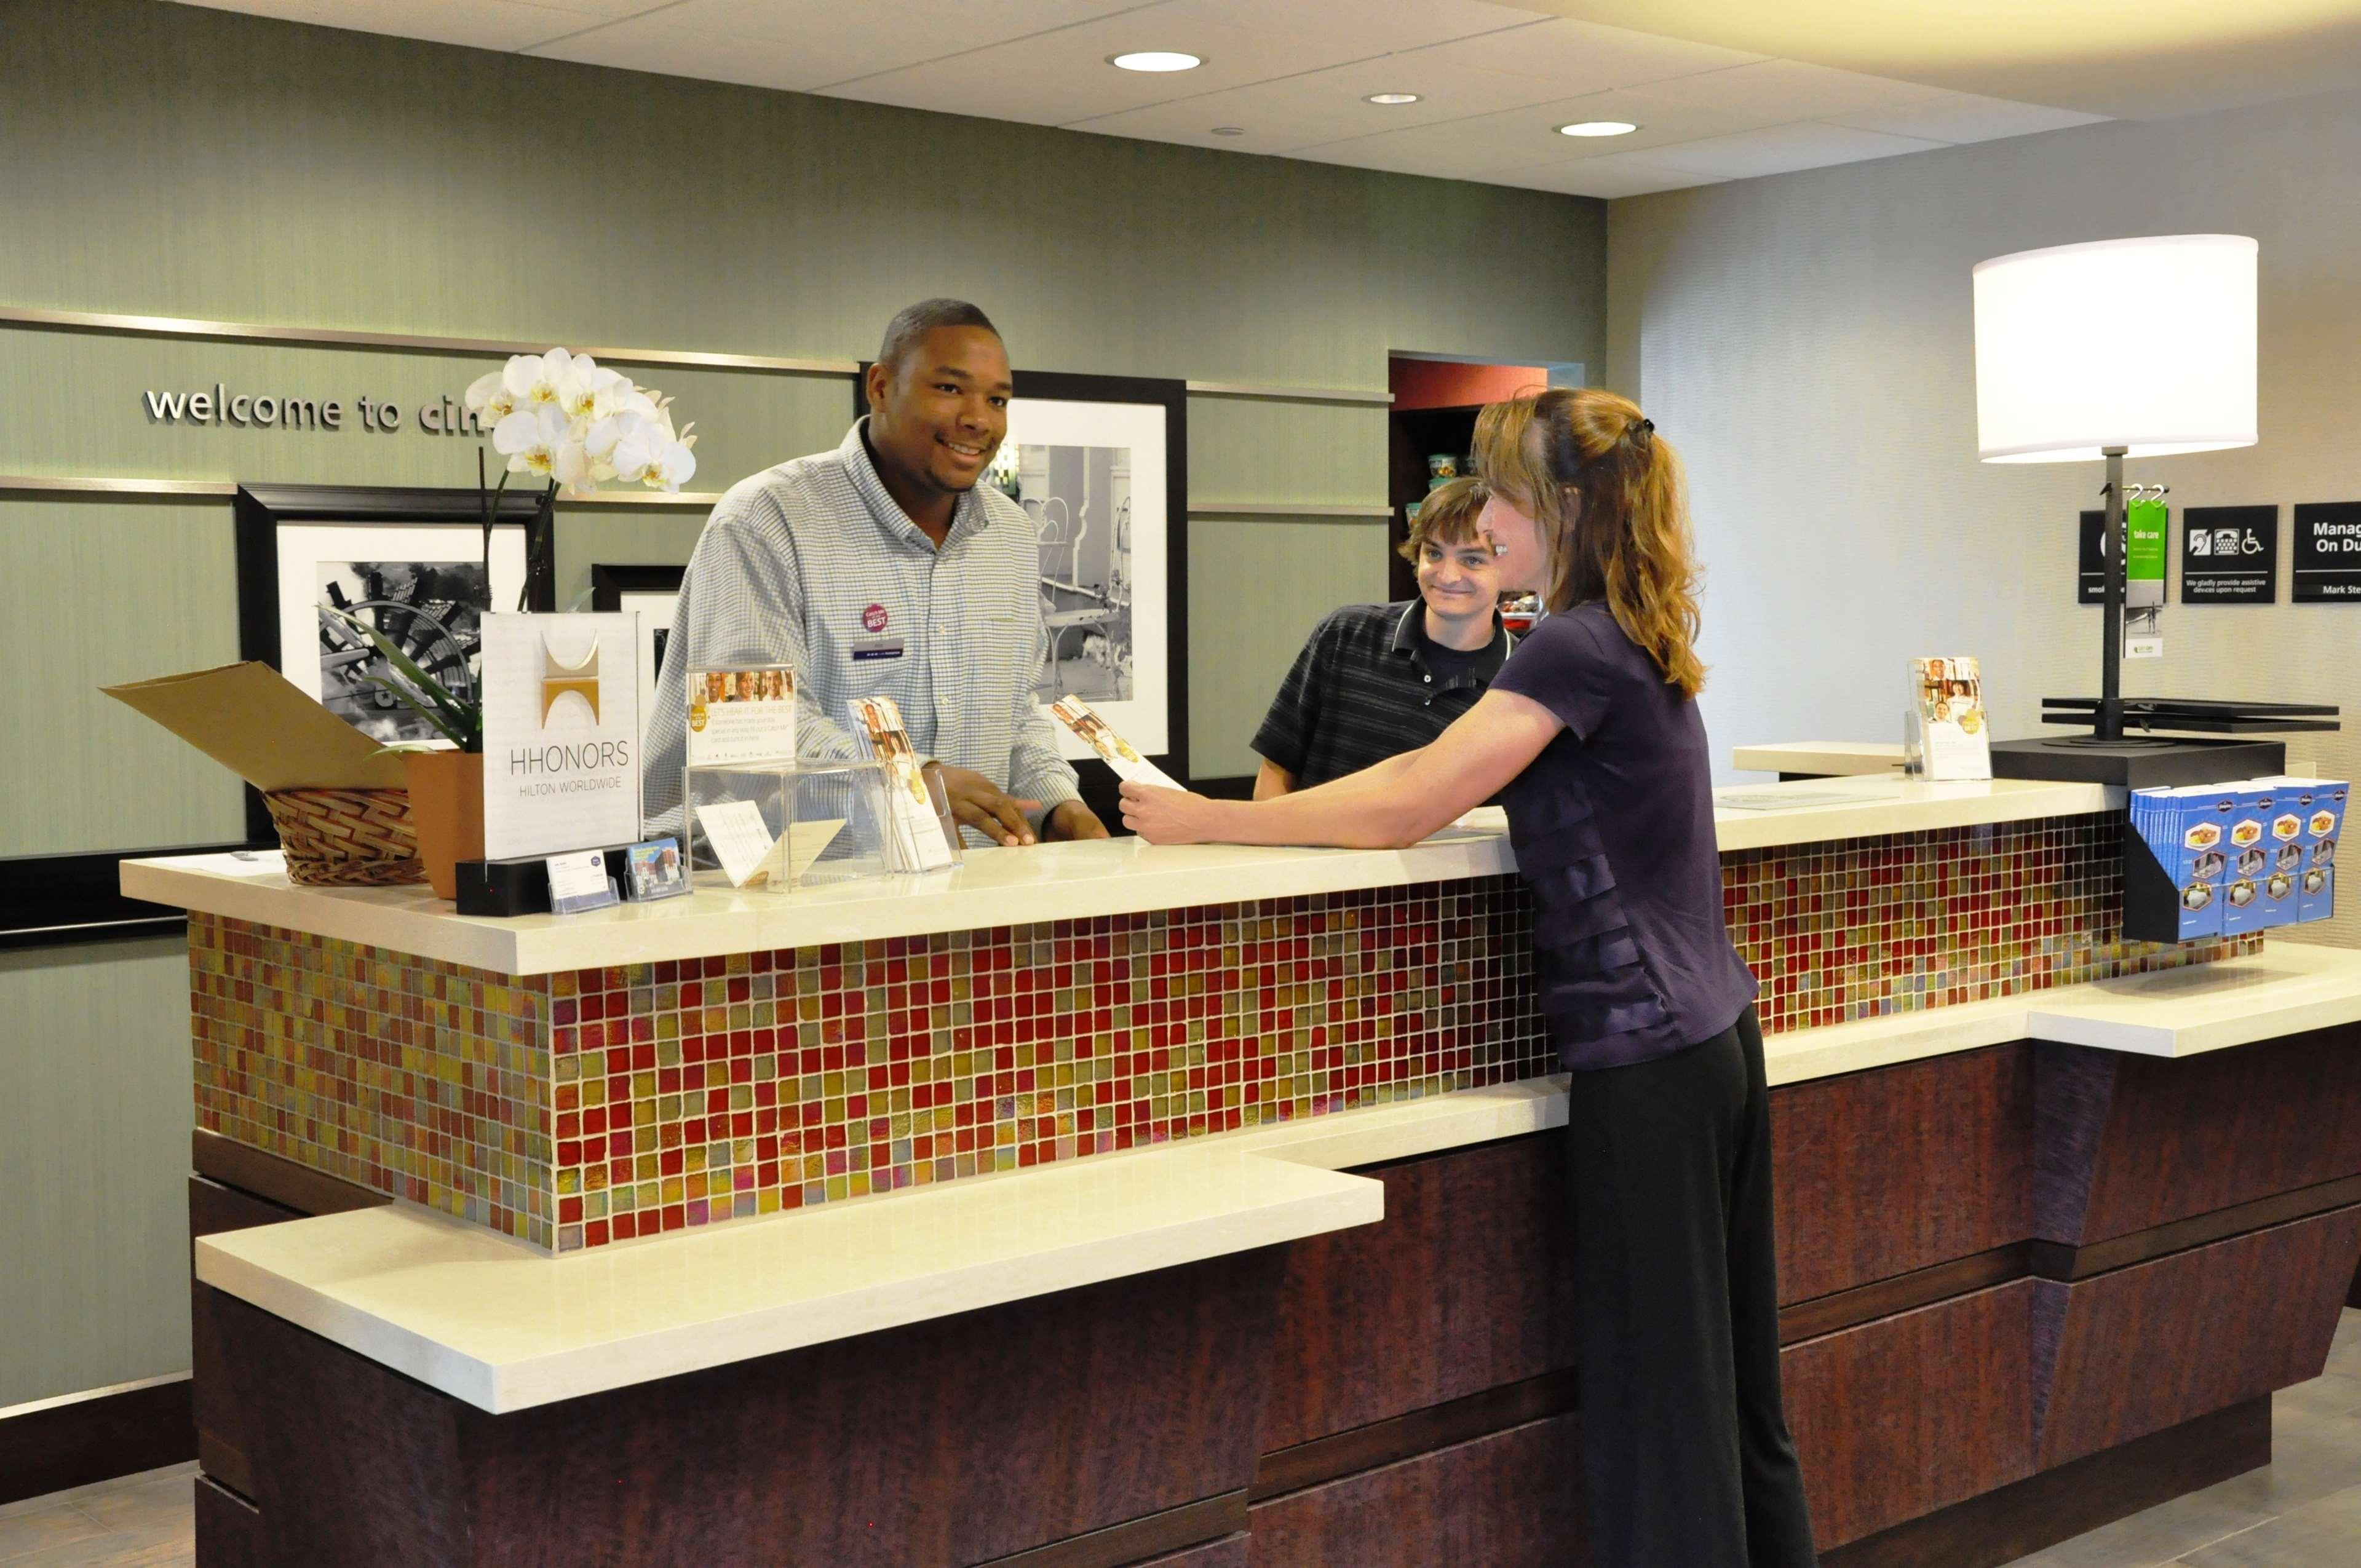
884	568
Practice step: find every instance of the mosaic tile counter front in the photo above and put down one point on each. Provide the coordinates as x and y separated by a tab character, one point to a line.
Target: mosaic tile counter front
595	1106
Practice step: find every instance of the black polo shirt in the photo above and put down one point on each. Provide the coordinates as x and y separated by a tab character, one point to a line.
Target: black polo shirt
1369	686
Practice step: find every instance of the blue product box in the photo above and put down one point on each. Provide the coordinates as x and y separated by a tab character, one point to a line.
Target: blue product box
2186	830
2248	846
2321	804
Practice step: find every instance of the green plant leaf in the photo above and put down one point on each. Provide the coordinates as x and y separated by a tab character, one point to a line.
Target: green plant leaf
462	720
409	700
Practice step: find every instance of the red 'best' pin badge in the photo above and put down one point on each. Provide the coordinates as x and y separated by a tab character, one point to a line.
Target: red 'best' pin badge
874	618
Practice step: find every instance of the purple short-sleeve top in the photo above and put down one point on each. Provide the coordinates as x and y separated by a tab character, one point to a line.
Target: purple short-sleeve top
1613	829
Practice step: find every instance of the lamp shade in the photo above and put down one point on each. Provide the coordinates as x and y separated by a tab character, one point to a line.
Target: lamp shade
2142	344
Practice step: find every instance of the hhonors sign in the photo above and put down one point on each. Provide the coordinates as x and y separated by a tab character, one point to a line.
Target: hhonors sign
561	733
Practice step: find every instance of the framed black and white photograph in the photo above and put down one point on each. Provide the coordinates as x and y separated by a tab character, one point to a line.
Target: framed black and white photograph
411	562
653	592
1100	465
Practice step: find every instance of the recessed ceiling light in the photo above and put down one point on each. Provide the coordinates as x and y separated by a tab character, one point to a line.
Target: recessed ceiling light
1597	128
1229	130
1155	60
1391	98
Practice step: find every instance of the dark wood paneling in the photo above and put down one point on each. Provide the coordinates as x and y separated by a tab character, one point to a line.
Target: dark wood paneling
1866	1303
95	1436
276	1180
220	1442
2057	1505
986	1434
1887	1172
1509	1500
2133	1143
2151	1347
1185	1527
2353	1299
2052	1261
1436	1426
229	1529
1915	1412
1230	1551
1467	1286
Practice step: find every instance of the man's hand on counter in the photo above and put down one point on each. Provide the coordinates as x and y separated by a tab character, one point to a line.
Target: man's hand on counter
978	803
1169	816
1072	819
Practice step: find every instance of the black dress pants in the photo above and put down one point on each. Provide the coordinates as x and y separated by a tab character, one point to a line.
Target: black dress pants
1687	1458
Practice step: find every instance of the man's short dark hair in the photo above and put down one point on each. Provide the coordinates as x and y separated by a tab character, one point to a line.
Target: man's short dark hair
910	325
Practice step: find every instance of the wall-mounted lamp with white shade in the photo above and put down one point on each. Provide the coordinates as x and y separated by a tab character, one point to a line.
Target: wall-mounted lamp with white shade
2115	349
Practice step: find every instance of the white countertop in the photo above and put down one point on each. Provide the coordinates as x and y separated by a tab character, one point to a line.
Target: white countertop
1828	759
1011	887
488	1321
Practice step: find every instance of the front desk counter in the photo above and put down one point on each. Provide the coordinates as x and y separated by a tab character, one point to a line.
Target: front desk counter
1108	1204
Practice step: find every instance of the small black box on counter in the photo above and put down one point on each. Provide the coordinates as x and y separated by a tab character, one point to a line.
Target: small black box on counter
502	888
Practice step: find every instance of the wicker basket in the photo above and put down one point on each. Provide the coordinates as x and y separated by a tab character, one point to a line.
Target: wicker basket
346	838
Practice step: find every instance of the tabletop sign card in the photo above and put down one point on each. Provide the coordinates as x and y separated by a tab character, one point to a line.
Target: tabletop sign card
561	733
2327	554
2230	555
918	837
1952	739
742	715
750	857
1114	751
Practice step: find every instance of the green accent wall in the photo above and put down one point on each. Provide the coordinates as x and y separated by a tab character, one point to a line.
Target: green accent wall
166	159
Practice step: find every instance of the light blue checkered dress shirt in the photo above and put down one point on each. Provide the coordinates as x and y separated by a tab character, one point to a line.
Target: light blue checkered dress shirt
804	563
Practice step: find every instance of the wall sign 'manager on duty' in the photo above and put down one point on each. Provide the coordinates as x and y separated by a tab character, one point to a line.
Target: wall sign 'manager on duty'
263	410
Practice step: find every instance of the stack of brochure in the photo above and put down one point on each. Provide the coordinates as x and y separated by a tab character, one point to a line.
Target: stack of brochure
2247	854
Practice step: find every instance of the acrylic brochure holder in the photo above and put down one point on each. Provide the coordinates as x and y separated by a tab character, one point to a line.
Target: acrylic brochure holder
788	826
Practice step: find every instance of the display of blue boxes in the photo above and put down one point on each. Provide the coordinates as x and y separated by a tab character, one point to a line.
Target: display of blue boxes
2231	859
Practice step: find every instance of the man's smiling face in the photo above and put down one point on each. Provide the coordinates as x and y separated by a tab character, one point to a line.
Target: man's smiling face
938	416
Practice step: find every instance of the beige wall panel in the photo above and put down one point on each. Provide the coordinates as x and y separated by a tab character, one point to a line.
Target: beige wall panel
87	395
94	1143
1257	588
619	536
1808	341
1248	451
95	592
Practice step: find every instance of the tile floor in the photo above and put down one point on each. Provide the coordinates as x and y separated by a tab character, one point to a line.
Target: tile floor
2302	1511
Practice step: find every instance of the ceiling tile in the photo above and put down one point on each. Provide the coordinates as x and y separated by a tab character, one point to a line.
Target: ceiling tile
1778	91
476	24
1380	26
837	42
1583	56
1325	105
653	43
1964	117
1059	77
1617	174
1527	136
1782	149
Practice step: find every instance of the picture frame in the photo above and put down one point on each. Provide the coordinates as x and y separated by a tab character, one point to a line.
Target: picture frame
407	557
70	899
1115	584
654	592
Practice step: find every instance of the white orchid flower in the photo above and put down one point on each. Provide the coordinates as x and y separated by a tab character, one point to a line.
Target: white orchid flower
648	455
531	438
537	378
587	391
571	468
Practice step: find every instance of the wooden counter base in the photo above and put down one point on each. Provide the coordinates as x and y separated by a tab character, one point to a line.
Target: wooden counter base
2028	1289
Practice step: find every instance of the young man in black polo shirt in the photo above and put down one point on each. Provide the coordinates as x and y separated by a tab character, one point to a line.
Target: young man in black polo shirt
1377	680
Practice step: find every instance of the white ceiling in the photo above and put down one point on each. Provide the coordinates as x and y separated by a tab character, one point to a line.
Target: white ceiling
1495	80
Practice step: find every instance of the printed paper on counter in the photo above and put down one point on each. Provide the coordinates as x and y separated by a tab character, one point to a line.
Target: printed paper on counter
1114	751
742	715
1948	722
917	837
750	857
